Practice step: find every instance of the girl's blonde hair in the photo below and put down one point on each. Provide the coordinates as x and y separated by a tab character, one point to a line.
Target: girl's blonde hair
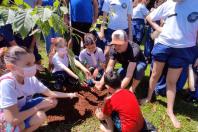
13	54
54	43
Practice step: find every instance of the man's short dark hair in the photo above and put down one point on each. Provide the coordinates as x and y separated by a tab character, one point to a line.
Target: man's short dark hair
112	79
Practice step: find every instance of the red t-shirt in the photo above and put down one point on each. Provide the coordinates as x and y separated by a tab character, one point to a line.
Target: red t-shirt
126	105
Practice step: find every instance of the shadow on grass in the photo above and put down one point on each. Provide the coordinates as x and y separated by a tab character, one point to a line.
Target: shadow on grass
182	107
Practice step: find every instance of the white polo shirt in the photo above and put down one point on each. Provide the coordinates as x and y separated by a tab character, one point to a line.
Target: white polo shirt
118	11
181	23
11	92
58	62
140	11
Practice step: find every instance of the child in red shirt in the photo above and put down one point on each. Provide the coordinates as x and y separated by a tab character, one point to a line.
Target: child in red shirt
121	109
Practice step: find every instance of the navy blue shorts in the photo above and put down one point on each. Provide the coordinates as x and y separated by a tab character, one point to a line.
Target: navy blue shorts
30	104
138	30
174	57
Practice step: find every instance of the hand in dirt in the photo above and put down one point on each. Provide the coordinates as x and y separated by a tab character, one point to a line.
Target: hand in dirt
98	85
95	73
144	101
88	74
99	113
72	95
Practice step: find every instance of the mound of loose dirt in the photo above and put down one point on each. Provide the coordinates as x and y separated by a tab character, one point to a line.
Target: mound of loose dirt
71	111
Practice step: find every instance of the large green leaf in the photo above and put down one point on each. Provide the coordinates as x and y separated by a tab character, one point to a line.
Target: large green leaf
64	9
77	71
3	16
57	23
44	13
11	16
56	3
5	3
44	27
23	22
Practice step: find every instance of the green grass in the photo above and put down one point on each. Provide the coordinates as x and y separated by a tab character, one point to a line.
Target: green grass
187	113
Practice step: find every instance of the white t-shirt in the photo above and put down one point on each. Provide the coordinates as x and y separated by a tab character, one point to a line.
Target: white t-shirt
94	59
59	62
140	11
181	23
118	11
11	92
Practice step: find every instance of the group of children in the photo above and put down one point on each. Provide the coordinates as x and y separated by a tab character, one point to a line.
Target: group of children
24	112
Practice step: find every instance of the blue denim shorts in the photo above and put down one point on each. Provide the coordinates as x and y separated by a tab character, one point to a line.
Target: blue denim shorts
174	57
28	105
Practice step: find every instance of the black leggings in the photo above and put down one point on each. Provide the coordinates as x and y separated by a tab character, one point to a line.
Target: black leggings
84	27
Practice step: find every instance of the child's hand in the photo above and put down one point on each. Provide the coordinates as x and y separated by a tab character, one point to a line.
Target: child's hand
72	95
98	85
40	67
98	113
95	73
87	74
196	63
101	35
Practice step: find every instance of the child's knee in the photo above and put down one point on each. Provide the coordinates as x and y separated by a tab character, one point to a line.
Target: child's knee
53	102
41	117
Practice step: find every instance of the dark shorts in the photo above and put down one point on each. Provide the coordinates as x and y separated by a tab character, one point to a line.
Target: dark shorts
116	121
28	105
138	73
138	30
174	57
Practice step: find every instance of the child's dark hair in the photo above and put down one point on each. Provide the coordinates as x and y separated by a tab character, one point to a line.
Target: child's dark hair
112	79
89	39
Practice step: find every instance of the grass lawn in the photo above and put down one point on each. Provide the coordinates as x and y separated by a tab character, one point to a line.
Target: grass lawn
156	113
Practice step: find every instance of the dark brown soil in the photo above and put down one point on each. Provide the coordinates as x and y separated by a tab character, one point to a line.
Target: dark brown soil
74	111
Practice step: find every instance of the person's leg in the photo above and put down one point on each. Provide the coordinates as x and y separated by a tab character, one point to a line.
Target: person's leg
171	80
156	73
59	78
108	126
122	73
191	79
36	121
31	124
138	75
160	55
48	41
75	39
